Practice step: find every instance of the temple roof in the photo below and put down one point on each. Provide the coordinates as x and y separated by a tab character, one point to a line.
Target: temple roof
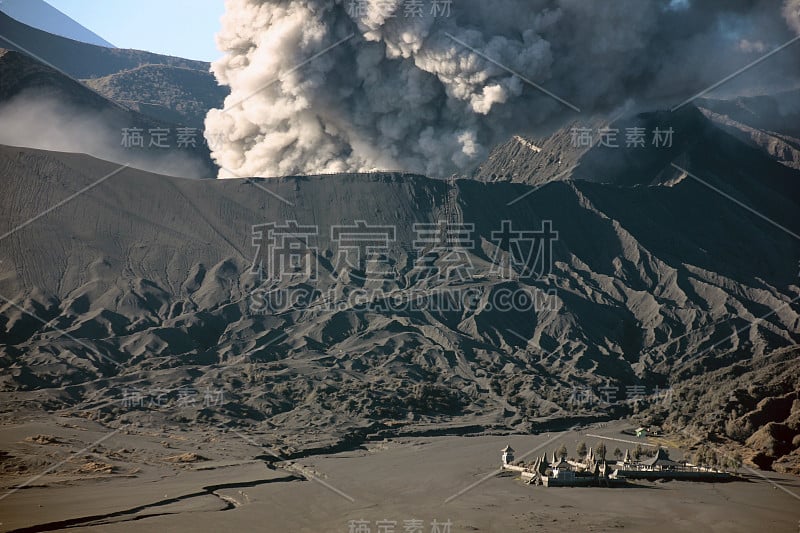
661	458
507	449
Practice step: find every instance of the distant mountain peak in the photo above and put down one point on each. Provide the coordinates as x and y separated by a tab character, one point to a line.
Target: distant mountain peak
41	15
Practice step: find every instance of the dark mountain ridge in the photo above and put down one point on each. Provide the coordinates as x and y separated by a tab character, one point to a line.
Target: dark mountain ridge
165	88
42	107
81	60
656	280
654	285
47	18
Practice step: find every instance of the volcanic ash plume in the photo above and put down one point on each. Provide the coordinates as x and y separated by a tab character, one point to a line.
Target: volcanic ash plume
791	11
359	85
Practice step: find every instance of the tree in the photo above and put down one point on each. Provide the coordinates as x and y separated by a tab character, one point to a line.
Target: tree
736	430
700	456
637	453
617	453
736	460
562	452
581	449
601	450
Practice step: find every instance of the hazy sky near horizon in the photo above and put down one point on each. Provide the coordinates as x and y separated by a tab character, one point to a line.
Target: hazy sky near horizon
183	28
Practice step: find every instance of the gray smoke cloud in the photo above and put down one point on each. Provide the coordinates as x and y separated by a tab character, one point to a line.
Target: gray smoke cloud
791	12
404	94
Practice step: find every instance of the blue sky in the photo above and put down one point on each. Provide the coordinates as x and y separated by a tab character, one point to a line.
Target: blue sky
182	28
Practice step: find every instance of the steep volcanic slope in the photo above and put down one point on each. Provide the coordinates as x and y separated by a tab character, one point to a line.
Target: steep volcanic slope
767	122
44	16
176	94
535	161
41	107
22	73
146	283
81	60
696	144
164	88
777	112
